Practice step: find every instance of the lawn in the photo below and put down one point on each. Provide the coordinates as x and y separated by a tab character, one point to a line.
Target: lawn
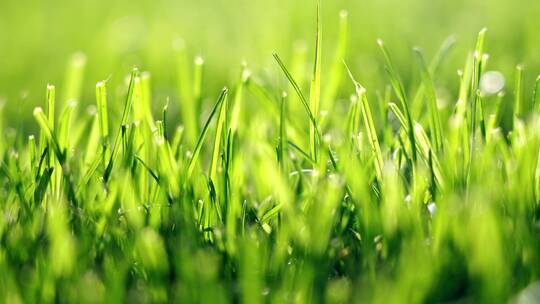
269	151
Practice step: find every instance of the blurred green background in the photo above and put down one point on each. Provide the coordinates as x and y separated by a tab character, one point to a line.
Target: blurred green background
37	39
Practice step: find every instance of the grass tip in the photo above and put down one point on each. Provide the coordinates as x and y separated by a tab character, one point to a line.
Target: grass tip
78	59
343	13
380	42
246	74
38	110
359	88
199	60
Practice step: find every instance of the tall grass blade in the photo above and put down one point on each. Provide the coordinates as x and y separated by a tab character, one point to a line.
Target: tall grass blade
536	95
336	72
202	136
368	124
315	89
282	142
103	117
518	93
435	120
400	93
300	95
218	138
123	124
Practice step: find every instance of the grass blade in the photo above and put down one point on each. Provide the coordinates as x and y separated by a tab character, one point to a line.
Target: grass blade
315	89
237	100
300	95
518	93
335	77
369	125
103	117
536	95
282	141
123	123
46	129
217	139
204	131
435	120
400	92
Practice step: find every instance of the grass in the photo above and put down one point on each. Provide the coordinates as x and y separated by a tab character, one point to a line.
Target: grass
398	189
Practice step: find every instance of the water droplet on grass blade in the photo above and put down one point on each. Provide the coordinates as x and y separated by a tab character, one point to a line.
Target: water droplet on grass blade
491	83
432	208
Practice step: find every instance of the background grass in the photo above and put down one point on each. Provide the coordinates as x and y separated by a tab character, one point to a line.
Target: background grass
115	36
408	185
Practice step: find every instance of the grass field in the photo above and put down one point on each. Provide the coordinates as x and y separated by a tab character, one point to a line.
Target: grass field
270	151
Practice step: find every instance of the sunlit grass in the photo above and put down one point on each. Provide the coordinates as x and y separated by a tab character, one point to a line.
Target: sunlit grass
262	193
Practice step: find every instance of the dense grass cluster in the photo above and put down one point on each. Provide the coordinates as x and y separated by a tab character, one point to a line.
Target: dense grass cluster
397	194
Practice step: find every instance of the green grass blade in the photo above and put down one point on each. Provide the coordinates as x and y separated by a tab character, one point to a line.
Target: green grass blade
423	145
45	127
315	89
202	136
464	86
434	66
336	72
217	139
185	92
302	152
123	123
481	119
103	117
494	119
65	124
51	114
368	124
164	117
478	60
536	95
32	151
353	119
400	92
300	94
518	93
197	86
442	54
435	120
74	77
237	100
282	142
